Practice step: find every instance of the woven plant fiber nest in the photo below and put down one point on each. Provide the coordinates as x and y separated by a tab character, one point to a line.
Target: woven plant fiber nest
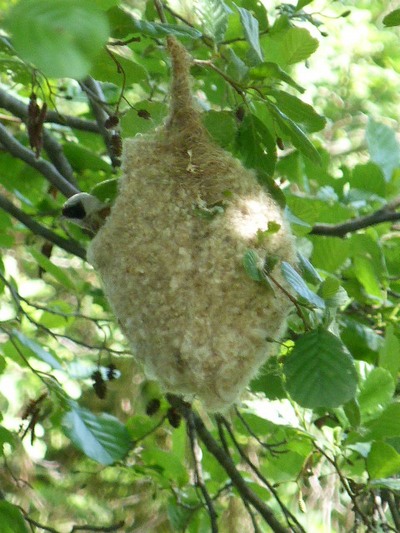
170	256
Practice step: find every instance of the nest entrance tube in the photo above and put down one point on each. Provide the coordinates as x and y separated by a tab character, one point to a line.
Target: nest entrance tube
170	256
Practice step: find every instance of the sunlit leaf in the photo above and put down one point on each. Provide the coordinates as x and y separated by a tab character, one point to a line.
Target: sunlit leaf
320	371
257	146
383	147
251	31
251	265
298	45
60	38
392	18
376	391
389	354
382	461
386	425
295	133
11	519
213	15
37	350
272	72
48	266
300	286
101	437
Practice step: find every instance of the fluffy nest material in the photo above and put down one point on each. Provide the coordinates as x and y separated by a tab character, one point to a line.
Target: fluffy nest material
170	256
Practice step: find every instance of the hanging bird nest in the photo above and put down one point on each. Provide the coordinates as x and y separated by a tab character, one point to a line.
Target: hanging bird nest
170	256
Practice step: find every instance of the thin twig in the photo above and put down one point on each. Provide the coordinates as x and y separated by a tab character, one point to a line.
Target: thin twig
228	465
96	99
289	516
44	167
291	298
104	529
56	155
209	64
20	109
37	524
69	246
270	447
387	213
346	487
160	11
252	516
196	451
389	497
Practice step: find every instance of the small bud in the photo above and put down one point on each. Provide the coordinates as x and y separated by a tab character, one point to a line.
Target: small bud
142	113
111	122
153	407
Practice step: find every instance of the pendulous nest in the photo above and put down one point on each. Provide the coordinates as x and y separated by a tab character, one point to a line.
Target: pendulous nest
170	256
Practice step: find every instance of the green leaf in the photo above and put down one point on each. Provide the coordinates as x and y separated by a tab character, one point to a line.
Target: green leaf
295	133
367	276
382	461
383	147
167	463
38	351
101	437
320	371
386	425
269	380
300	286
389	354
368	177
3	364
61	38
272	71
222	127
56	272
257	146
126	71
391	484
106	4
302	3
106	191
139	426
392	18
251	265
301	113
310	274
352	412
11	519
251	31
362	341
298	45
213	16
155	29
178	516
6	437
376	392
329	253
332	292
81	158
145	117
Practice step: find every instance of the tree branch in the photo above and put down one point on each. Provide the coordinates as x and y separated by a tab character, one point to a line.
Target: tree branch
295	526
19	109
227	464
385	214
96	97
56	155
70	246
196	451
44	167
